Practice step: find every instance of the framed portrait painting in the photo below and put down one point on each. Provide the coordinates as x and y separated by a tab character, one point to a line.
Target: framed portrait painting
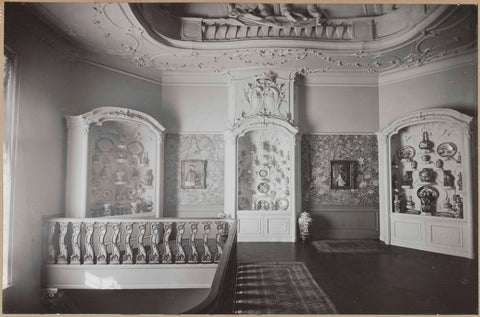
343	174
193	174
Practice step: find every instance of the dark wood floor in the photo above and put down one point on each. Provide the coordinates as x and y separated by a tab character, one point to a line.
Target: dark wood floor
397	281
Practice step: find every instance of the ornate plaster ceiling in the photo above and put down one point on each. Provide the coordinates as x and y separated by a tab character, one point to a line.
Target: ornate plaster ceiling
112	31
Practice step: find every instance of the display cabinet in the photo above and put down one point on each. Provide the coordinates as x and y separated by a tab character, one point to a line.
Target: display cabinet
114	164
262	158
426	190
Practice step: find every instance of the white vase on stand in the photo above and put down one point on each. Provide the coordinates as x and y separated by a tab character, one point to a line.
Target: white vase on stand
304	223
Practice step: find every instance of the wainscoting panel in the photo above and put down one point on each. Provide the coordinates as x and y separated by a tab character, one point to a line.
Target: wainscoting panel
344	222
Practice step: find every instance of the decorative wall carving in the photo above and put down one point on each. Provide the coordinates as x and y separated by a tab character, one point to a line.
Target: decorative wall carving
319	150
265	97
209	148
439	32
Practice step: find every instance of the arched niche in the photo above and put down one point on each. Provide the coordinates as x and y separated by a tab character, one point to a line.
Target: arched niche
264	188
114	164
426	182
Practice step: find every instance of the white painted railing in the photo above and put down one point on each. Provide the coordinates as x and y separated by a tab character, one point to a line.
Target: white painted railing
108	241
114	253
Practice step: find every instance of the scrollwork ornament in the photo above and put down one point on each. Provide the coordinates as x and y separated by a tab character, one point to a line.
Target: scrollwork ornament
75	257
220	233
207	255
265	97
142	255
194	254
154	240
89	253
128	256
115	257
62	257
51	244
102	250
167	255
180	256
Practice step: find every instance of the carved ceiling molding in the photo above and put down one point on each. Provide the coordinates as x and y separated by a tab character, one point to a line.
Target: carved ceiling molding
122	35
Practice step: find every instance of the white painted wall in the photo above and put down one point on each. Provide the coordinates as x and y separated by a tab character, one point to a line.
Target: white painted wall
454	88
40	165
195	108
327	109
52	86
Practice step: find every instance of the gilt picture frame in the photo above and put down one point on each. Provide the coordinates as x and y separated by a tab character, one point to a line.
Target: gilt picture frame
193	174
343	174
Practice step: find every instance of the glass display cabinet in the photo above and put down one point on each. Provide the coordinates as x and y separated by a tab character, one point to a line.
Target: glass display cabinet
262	158
426	190
114	164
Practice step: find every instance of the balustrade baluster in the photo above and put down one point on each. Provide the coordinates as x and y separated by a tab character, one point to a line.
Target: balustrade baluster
89	254
194	255
102	249
142	255
75	257
154	240
207	255
115	256
128	256
51	246
220	233
167	255
180	256
62	257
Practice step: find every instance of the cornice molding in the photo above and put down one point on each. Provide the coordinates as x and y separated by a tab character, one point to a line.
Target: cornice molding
449	63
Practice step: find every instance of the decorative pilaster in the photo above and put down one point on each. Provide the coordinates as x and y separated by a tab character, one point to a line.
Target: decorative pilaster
154	240
128	256
167	255
142	255
207	255
102	249
89	254
62	257
194	254
76	182
75	257
180	256
115	256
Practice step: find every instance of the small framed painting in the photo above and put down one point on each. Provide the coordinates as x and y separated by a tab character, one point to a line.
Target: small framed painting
343	174
193	174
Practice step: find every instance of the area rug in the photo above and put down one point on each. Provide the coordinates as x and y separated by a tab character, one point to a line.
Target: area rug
279	288
349	246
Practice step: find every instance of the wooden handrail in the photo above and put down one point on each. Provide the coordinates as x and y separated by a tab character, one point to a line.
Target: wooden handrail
220	298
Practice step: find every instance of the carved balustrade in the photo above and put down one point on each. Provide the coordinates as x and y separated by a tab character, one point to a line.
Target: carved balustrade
105	241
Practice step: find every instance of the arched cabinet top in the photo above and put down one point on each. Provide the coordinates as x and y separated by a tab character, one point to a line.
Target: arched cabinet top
102	114
258	123
423	116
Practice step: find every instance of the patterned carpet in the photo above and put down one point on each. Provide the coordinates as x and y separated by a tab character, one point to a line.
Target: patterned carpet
279	288
349	246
